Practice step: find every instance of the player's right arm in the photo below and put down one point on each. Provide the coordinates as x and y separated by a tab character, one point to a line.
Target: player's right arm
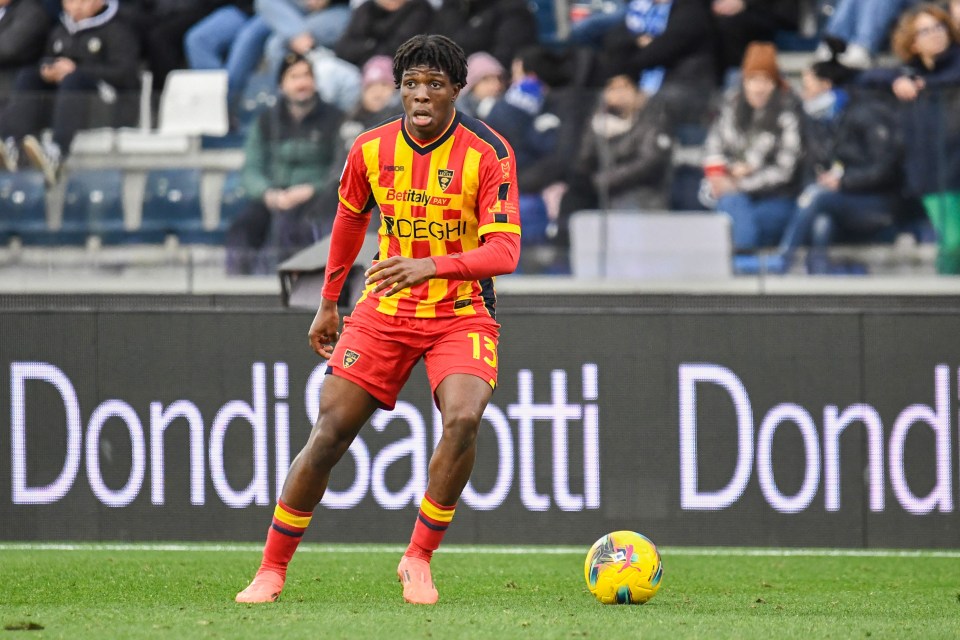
346	240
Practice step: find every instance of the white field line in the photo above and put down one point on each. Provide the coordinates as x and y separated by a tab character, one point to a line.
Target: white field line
483	549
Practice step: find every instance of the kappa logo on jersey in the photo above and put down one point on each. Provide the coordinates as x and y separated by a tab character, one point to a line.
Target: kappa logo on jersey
350	358
444	177
505	169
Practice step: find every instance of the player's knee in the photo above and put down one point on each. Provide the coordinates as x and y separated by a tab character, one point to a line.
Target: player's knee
326	446
461	425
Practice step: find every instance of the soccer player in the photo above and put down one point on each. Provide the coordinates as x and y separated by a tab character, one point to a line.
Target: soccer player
446	186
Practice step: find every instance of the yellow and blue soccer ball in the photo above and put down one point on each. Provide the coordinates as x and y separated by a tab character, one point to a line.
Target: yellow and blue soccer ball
623	567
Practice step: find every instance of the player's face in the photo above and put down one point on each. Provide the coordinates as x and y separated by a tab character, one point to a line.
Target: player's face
428	96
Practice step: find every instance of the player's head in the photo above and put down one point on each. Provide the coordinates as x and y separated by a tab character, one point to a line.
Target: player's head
432	51
430	71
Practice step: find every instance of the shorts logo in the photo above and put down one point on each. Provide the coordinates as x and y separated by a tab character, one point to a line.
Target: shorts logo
444	177
350	358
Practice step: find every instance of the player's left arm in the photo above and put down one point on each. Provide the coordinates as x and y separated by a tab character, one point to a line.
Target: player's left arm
499	251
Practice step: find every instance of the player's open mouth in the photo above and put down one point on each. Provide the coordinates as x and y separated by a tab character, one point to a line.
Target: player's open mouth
422	118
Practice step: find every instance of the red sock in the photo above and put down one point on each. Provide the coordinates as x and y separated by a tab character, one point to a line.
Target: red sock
432	523
284	535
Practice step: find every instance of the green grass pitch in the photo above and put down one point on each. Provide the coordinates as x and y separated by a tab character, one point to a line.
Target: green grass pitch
350	591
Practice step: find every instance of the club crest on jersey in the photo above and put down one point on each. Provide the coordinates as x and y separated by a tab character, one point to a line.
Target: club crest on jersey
444	177
350	358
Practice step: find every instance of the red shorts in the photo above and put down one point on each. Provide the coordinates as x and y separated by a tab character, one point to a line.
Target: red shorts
378	352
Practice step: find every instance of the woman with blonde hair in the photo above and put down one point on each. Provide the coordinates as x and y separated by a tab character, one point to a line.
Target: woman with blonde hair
927	88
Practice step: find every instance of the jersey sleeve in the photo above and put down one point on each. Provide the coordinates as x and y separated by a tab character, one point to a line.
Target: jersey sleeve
355	193
498	199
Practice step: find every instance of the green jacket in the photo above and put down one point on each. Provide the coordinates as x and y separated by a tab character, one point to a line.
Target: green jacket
281	152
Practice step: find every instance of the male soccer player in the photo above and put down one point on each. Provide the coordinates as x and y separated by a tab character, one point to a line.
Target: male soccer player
446	186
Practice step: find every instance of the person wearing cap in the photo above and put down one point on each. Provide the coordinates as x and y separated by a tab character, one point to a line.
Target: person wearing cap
752	153
485	84
290	154
378	101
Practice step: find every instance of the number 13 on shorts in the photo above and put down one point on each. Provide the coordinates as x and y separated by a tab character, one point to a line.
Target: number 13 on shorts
484	347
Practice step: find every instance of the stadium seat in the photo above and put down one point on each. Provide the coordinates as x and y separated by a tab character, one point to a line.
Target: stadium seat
171	205
233	202
93	205
259	93
194	103
23	207
545	13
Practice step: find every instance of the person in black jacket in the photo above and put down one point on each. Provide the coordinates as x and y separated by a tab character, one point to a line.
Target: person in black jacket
671	47
852	166
740	22
90	56
498	27
23	31
378	27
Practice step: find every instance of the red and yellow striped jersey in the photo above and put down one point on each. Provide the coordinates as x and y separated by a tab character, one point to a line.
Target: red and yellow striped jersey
437	198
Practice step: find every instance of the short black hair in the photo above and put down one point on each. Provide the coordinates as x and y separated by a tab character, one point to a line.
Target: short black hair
289	59
434	51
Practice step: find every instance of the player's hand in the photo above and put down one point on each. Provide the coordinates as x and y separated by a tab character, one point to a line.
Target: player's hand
398	273
324	330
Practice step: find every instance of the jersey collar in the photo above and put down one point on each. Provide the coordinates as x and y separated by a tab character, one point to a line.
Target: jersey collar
424	149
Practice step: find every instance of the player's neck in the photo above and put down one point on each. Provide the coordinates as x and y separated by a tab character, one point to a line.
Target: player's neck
422	142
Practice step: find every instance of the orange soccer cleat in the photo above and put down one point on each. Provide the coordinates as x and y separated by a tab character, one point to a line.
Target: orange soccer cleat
266	587
418	588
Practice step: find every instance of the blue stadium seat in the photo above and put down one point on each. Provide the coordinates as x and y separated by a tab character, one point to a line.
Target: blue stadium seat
232	203
545	14
93	206
259	93
23	209
171	205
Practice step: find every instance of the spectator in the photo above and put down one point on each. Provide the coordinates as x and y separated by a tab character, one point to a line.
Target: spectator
928	89
752	152
23	32
670	45
862	28
289	158
301	26
90	56
852	167
162	25
624	156
741	22
542	116
954	7
231	38
378	27
485	85
378	101
498	27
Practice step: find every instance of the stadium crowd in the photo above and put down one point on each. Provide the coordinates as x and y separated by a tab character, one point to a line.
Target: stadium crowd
855	150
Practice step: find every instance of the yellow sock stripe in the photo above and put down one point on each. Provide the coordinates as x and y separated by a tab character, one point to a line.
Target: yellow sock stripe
288	518
435	513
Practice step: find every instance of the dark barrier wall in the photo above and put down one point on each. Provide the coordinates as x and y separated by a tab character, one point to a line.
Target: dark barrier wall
728	428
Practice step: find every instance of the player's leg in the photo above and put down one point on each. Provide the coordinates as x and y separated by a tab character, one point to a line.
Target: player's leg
462	399
344	408
462	367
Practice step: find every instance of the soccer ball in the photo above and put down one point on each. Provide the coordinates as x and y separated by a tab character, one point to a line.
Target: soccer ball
623	567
